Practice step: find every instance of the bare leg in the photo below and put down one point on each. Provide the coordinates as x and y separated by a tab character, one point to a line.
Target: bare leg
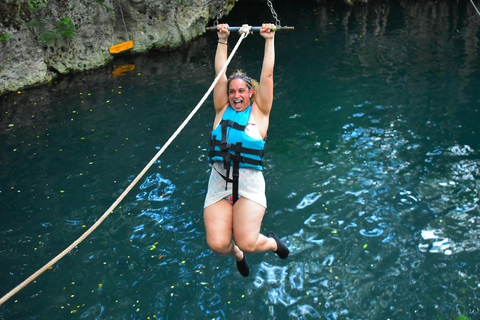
218	219
247	220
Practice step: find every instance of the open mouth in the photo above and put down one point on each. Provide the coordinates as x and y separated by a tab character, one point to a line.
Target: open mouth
237	103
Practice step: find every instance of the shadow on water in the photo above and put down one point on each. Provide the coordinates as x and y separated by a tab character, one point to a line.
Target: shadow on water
372	167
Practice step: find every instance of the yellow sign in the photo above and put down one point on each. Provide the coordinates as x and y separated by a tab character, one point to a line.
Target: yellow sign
121	47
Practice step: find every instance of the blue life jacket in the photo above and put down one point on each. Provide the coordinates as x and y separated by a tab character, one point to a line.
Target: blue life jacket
229	143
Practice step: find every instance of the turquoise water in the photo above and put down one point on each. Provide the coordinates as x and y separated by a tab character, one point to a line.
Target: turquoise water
371	170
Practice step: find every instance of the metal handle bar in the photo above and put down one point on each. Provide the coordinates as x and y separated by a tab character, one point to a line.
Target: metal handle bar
251	29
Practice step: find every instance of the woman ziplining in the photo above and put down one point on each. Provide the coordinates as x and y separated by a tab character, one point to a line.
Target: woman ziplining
243	234
235	203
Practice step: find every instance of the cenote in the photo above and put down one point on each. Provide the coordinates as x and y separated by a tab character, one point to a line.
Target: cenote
371	168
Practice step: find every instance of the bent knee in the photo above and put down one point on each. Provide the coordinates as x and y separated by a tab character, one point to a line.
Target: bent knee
246	246
218	246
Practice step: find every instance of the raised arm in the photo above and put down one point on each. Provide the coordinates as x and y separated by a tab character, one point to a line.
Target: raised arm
220	94
264	98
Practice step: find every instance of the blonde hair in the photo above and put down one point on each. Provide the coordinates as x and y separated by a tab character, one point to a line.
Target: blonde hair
251	83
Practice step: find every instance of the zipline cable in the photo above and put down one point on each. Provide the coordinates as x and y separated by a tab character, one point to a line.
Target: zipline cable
244	34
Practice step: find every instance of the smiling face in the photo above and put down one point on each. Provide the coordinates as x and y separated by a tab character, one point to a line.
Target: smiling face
239	95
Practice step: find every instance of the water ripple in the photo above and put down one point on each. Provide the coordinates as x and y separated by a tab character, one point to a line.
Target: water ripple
274	274
300	312
389	237
316	220
308	200
162	191
371	233
296	279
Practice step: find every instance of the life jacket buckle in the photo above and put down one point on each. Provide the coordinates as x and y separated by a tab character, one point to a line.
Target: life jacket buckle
225	146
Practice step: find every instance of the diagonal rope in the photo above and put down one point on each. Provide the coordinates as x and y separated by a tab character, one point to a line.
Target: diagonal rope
473	4
130	187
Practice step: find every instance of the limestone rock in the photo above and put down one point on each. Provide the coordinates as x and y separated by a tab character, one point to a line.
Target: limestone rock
41	38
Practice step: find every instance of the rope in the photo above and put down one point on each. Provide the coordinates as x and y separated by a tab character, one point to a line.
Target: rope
473	4
130	187
124	24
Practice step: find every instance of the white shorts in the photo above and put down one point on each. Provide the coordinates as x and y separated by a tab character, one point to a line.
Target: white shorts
251	185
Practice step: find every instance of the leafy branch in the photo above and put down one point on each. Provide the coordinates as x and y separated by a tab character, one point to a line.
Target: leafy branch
4	37
63	28
37	4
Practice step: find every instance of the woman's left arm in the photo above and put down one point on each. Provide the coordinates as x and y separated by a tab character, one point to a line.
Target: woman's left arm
264	97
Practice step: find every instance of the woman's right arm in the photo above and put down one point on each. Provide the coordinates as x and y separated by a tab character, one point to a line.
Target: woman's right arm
220	92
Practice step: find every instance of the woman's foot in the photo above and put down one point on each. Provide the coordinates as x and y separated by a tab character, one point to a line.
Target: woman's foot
243	267
282	250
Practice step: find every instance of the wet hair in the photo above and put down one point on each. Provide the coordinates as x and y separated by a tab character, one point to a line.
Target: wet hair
251	83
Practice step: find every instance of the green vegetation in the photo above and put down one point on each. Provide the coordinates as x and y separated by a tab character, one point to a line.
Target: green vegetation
37	4
47	32
36	24
66	28
63	28
4	37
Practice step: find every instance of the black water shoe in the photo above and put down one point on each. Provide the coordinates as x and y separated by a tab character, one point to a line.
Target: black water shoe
282	250
243	267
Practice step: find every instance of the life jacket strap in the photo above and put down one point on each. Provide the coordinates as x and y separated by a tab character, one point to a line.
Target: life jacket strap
235	175
225	146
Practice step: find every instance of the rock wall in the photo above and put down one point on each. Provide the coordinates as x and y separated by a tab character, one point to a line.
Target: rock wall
41	38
